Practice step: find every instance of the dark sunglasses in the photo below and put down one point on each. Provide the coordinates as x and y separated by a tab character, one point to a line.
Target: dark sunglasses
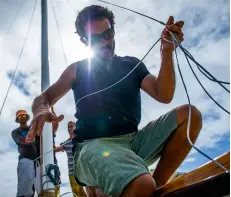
95	39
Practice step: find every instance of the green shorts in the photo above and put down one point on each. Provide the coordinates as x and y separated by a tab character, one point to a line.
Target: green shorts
112	163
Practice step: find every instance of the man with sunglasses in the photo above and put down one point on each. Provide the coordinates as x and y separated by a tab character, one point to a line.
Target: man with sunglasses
112	153
67	147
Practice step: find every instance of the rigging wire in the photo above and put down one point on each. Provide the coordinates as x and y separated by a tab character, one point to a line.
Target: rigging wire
65	57
12	78
8	31
71	7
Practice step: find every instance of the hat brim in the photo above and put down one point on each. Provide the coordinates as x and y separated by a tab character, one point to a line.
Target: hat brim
16	119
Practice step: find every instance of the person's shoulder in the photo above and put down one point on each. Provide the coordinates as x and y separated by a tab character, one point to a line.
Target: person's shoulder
15	130
65	142
19	129
76	66
80	62
130	59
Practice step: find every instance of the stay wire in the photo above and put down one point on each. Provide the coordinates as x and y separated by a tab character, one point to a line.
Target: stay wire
71	7
12	78
57	24
8	31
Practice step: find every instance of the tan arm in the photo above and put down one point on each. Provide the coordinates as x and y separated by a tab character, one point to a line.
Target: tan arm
42	103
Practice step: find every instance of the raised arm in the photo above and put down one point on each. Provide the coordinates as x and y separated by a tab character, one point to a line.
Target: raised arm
42	103
162	88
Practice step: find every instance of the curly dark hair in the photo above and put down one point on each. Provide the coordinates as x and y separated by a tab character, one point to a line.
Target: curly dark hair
90	13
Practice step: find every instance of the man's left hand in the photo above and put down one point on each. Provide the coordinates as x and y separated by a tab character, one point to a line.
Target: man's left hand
166	38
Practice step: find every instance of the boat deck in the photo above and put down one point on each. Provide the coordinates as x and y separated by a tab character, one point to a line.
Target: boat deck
208	180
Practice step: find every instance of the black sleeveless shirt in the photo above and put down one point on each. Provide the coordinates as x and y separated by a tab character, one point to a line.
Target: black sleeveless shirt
115	111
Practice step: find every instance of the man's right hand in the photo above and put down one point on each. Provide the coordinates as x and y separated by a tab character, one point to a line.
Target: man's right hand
48	98
38	122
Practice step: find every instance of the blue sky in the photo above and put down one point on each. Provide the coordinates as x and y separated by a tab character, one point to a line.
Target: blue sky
206	30
222	147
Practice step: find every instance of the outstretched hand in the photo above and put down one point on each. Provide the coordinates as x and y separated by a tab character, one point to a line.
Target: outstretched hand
166	38
38	122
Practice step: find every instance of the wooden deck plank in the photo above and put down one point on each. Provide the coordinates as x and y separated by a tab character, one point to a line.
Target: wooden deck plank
205	171
217	186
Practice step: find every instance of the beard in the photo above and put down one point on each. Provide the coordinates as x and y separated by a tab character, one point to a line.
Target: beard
105	52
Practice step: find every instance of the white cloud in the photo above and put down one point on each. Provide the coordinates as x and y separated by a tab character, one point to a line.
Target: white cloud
190	159
134	36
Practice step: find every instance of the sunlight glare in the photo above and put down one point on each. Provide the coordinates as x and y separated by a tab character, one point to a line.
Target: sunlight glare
89	52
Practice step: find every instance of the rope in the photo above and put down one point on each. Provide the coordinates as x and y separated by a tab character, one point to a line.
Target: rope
162	23
204	87
12	78
42	156
208	75
68	193
175	41
55	179
204	71
187	54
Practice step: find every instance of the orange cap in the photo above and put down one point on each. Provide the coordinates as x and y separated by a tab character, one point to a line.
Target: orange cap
19	113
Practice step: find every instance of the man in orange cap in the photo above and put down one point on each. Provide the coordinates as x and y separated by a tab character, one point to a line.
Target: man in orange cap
28	170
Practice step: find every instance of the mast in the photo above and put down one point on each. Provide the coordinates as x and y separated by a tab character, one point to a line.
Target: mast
48	188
